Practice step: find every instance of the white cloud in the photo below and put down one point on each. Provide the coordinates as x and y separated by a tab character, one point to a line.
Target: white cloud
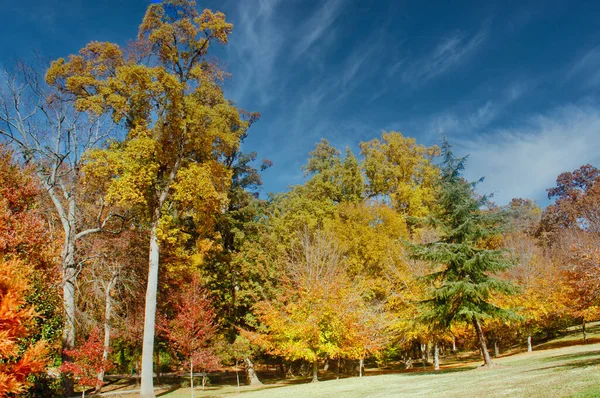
450	52
255	45
587	68
525	161
317	26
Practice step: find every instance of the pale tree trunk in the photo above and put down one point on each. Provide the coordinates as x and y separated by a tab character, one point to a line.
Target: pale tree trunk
315	377
529	346
68	284
192	377
237	375
361	364
496	349
484	351
147	389
436	356
583	330
107	328
251	376
453	344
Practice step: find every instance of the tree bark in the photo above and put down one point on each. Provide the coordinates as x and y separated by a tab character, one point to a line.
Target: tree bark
529	346
496	349
583	330
453	344
147	389
251	376
68	343
192	377
315	377
436	357
484	351
107	328
361	365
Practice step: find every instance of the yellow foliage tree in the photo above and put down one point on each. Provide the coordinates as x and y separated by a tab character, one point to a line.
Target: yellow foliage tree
400	169
180	126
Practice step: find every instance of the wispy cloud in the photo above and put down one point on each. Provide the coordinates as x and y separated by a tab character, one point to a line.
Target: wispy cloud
524	161
587	68
257	42
473	117
449	53
317	26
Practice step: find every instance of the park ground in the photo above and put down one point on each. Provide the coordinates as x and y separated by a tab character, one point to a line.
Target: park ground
564	367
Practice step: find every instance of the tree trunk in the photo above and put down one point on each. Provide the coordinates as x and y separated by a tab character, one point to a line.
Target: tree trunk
251	376
496	349
315	377
339	368
147	389
436	356
237	375
583	330
192	377
69	280
453	344
484	351
361	365
107	329
529	347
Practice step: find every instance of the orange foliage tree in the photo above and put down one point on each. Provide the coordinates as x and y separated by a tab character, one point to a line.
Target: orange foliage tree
22	237
15	318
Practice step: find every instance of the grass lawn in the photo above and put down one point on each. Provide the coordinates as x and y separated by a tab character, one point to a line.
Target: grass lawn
560	368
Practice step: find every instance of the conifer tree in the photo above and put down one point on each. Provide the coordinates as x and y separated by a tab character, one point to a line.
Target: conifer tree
463	269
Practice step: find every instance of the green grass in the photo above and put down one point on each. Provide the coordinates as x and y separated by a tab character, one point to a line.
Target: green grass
560	368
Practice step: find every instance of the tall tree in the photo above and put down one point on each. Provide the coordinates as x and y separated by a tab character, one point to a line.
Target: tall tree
43	126
180	126
463	269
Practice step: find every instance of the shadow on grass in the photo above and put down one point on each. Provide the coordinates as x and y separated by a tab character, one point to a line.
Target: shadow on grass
572	361
172	388
567	357
566	343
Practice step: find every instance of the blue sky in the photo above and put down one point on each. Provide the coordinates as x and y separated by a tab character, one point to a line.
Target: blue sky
513	84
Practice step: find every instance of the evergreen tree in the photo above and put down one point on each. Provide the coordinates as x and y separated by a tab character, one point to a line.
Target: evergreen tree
462	267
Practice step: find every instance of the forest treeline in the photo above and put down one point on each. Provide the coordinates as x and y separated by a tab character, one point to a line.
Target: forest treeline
133	238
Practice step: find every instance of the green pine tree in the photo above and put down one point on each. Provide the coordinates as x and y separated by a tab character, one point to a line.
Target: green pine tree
462	276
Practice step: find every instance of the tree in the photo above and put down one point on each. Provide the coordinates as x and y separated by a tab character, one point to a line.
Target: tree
577	200
193	328
25	248
317	312
332	177
462	277
16	318
87	362
231	273
43	126
402	172
179	126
